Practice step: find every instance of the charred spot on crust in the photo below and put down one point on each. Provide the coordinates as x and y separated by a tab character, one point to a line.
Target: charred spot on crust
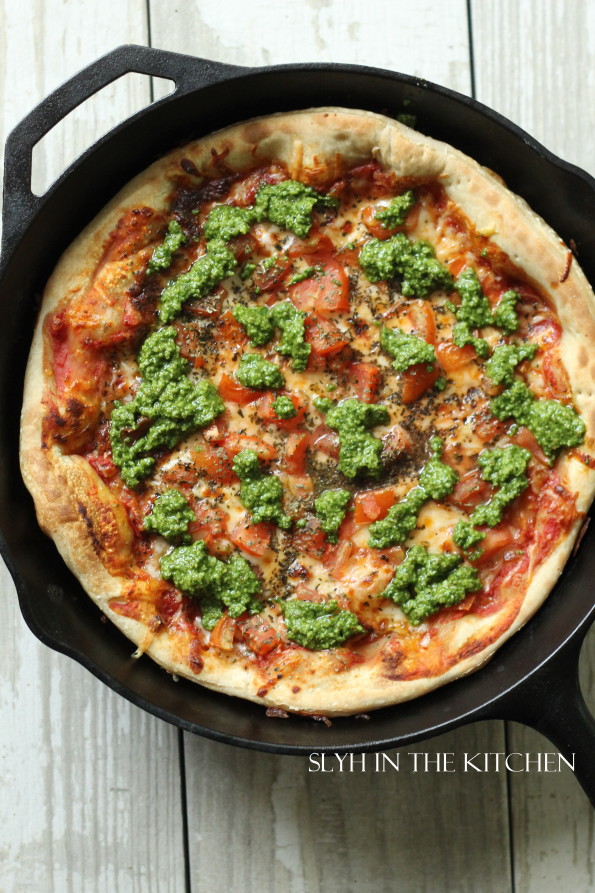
90	528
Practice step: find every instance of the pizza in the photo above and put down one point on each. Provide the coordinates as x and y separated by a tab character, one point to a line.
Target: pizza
310	411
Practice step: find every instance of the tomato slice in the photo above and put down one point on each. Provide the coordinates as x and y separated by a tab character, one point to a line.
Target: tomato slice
555	377
232	391
267	278
456	266
209	524
315	245
296	448
372	505
423	321
325	338
470	490
367	378
416	380
374	226
260	636
327	292
452	357
326	440
254	539
229	332
222	634
264	408
311	539
496	540
235	443
214	463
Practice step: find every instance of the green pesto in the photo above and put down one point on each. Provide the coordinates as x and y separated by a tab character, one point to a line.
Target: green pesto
331	507
465	536
436	481
505	315
323	404
257	321
318	625
170	517
506	357
256	372
306	273
284	408
218	584
290	204
462	335
505	468
225	222
293	331
406	350
166	408
359	451
414	262
474	308
163	255
436	478
246	270
261	493
396	212
202	277
440	383
426	582
474	311
553	424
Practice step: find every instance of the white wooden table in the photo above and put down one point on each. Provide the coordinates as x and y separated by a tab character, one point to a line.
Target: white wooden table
96	795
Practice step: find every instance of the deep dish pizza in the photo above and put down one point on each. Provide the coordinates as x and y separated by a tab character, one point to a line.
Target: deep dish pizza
310	411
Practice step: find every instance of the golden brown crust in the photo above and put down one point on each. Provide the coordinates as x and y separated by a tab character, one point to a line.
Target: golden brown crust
90	526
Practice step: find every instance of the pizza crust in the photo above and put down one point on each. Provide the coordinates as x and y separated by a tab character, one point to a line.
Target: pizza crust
87	523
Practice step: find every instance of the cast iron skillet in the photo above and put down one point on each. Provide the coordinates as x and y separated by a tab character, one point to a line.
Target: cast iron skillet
533	677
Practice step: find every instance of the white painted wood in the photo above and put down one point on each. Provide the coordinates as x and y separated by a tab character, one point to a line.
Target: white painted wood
419	37
90	795
535	62
334	832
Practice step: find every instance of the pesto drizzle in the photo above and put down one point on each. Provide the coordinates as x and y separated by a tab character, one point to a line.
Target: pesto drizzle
261	493
553	424
217	584
505	468
435	482
318	625
167	406
170	516
425	582
163	255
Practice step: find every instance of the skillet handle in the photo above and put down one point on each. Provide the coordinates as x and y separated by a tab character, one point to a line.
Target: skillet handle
551	702
187	72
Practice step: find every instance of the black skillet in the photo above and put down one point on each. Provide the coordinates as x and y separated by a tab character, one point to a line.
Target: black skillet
533	678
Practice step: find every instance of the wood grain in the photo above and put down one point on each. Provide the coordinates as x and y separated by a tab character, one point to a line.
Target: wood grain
337	832
84	773
423	38
536	64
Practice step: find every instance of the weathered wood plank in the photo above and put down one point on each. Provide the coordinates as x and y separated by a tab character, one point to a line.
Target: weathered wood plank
290	829
422	38
536	64
332	832
90	784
